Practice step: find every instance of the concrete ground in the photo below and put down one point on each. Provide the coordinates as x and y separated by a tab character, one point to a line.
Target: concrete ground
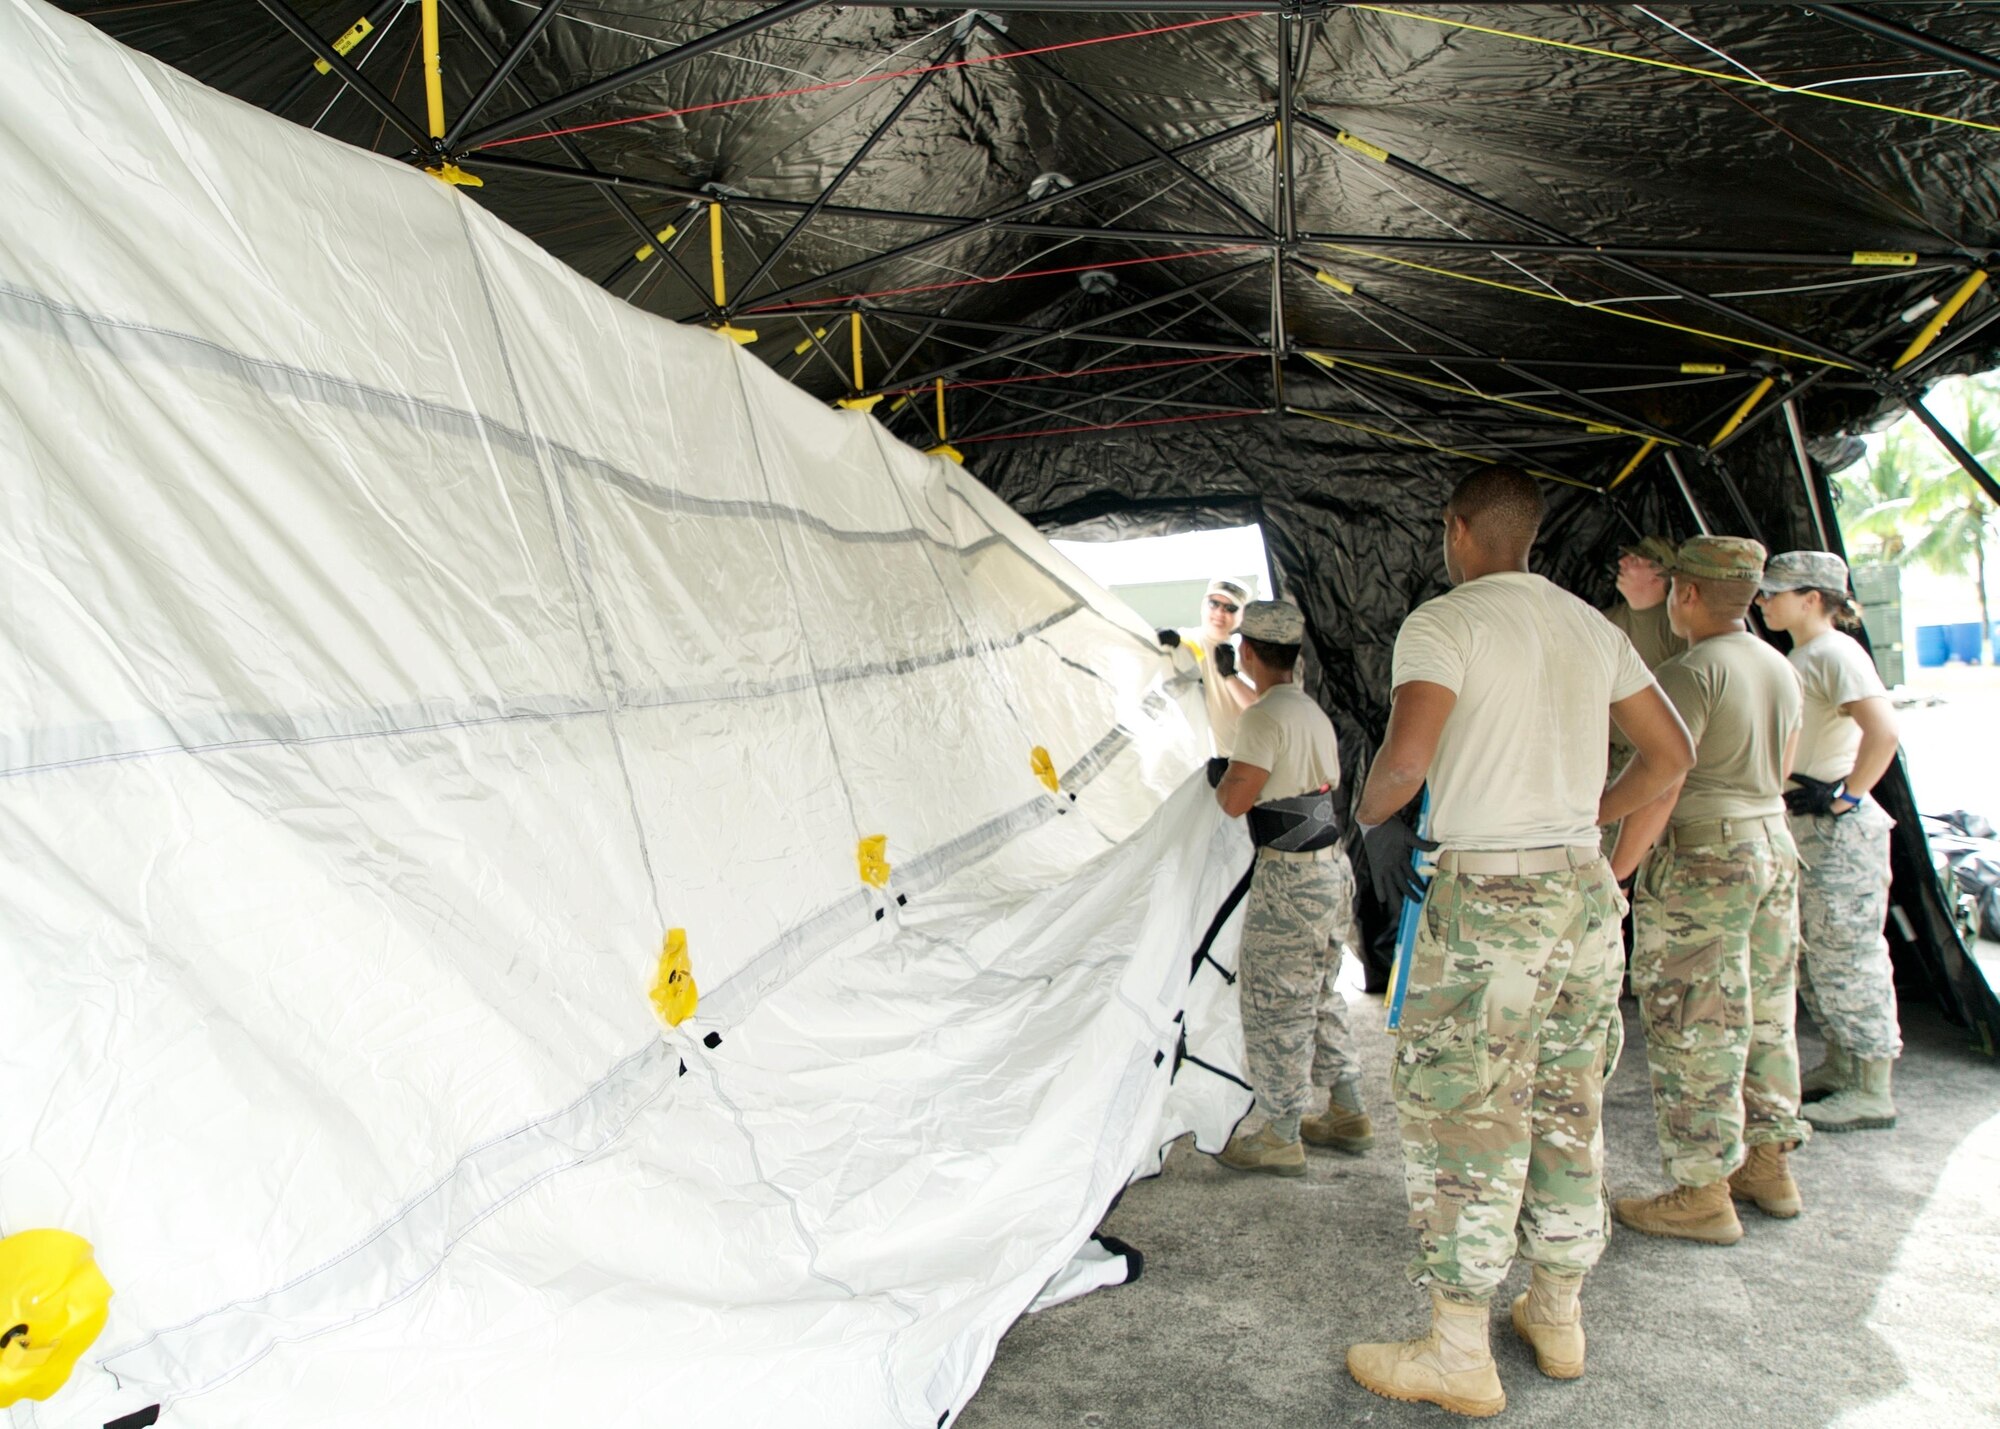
1879	1306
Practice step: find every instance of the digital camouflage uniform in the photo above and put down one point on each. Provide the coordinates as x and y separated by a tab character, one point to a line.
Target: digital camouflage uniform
1714	971
1510	1027
1295	1031
1845	975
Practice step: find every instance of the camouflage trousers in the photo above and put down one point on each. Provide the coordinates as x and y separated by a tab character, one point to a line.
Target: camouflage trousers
1845	977
1510	1029
1715	972
1295	1033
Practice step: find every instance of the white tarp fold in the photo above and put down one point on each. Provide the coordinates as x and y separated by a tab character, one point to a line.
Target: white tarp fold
400	635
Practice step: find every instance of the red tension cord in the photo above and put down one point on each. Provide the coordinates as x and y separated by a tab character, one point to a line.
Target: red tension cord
866	79
1110	426
1002	278
1077	372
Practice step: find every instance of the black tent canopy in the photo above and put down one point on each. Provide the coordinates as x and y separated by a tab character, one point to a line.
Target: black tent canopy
1153	266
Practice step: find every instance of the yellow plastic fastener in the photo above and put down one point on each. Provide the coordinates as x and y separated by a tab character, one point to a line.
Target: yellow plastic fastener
358	32
54	1301
1320	275
673	993
806	346
1361	146
859	404
1045	768
645	251
450	173
1875	258
872	856
1703	369
948	452
743	335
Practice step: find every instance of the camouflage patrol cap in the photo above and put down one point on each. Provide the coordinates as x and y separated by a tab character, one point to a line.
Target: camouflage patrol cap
1718	558
1657	549
1804	570
1275	622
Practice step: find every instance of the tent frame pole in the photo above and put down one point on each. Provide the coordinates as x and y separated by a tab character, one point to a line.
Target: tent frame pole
501	72
1971	61
378	101
1687	492
1957	449
304	82
634	74
1804	459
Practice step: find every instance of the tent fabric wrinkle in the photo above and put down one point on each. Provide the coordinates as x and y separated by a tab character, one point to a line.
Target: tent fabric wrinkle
392	671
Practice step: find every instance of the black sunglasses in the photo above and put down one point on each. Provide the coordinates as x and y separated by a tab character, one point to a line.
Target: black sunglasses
1215	604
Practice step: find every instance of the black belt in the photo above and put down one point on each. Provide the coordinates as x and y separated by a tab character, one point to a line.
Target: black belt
1302	824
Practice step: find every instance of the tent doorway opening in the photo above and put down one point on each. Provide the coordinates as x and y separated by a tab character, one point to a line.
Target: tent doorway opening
1164	577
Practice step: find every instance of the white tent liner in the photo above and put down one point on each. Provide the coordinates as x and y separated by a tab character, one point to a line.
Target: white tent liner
401	635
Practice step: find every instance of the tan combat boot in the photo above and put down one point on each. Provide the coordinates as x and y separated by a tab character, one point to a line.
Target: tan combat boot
1699	1213
1344	1126
1265	1151
1549	1316
1766	1178
1451	1367
1829	1076
1863	1105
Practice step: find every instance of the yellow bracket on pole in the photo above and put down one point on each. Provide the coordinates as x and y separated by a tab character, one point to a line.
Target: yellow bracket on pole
857	403
1876	258
805	345
735	334
1943	315
1320	275
1743	410
1631	466
1703	369
359	31
1361	146
944	448
647	250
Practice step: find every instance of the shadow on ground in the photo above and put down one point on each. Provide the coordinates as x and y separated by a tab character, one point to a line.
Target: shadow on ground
1879	1306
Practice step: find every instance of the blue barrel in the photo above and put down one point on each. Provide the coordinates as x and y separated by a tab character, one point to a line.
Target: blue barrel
1963	641
1933	649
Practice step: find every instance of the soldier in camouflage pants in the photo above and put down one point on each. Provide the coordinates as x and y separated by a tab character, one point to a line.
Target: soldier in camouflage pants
1844	975
1295	1030
1510	1028
1715	974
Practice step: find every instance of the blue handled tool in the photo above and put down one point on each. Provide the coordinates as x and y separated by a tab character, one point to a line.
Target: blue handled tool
1406	929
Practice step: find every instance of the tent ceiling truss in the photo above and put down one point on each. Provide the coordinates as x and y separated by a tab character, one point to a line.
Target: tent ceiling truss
1185	317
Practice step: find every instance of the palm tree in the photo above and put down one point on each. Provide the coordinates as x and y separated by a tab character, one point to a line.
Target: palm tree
1918	505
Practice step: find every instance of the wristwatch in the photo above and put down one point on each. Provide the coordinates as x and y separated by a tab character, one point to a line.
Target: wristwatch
1845	803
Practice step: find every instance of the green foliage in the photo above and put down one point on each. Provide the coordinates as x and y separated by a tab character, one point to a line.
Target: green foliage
1910	501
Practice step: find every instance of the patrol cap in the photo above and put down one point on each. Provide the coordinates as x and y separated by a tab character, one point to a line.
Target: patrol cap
1275	622
1657	549
1235	592
1718	558
1804	570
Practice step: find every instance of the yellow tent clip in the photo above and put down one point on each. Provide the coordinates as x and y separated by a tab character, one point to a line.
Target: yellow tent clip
1045	768
948	452
859	404
1361	146
1875	258
805	346
1703	369
1339	285
872	855
53	1302
647	250
674	993
450	173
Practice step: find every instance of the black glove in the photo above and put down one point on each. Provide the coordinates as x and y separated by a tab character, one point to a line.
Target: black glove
1389	846
1813	796
1224	656
1170	639
1217	767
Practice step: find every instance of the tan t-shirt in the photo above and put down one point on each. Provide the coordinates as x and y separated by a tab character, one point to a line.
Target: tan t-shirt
1223	711
1834	671
1649	631
1287	733
1520	762
1740	700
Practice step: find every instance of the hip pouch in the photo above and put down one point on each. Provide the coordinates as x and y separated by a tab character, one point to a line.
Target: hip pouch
1303	824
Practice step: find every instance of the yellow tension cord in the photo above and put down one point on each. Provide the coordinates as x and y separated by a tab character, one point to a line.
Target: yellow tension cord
1592	423
857	403
1631	466
1578	303
1721	75
1743	410
673	993
1433	446
728	329
1943	315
